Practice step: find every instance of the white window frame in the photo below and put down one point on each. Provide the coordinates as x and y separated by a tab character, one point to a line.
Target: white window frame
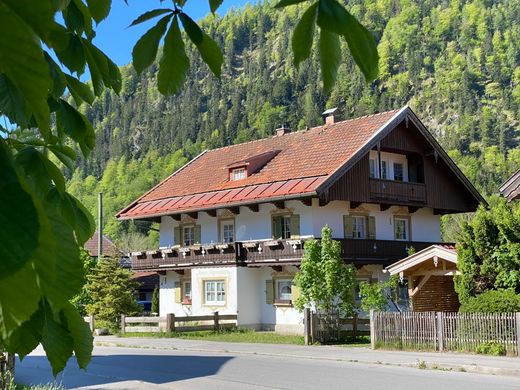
215	292
406	228
286	227
188	241
281	283
402	171
185	294
238	174
224	230
359	227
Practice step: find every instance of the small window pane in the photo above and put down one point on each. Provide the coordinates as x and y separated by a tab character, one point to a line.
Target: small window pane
358	227
214	291
238	174
227	229
187	290
384	175
286	227
372	163
401	229
284	290
189	235
398	172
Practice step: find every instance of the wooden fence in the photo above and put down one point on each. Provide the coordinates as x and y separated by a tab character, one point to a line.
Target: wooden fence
319	328
439	331
172	323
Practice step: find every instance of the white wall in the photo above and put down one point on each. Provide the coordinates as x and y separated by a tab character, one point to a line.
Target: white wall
249	287
426	226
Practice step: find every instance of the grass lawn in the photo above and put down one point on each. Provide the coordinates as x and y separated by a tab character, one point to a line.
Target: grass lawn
245	336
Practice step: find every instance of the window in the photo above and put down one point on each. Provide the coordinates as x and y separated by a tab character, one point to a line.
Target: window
188	235
227	231
372	163
357	292
214	292
359	227
384	170
401	228
398	172
187	291
238	174
284	289
286	227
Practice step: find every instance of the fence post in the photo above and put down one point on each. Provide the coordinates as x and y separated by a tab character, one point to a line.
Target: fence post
123	323
215	321
517	326
354	325
170	322
439	324
372	330
92	323
306	325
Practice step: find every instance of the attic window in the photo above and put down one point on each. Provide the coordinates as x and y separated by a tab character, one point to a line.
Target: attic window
238	174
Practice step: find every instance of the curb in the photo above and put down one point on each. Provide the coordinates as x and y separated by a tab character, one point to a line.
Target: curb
424	365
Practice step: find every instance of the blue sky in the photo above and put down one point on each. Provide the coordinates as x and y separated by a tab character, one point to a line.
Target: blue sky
117	41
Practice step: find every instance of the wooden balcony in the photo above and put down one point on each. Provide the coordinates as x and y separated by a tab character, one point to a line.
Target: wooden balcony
400	192
270	253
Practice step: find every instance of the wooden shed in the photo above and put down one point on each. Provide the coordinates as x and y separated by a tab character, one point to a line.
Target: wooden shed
430	278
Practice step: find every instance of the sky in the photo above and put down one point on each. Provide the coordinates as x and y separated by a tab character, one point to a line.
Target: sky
117	41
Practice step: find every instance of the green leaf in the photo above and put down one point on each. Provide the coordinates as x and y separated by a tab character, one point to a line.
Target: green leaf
19	216
211	54
330	57
145	50
57	76
114	80
285	3
38	15
79	218
74	56
78	18
56	341
80	92
81	335
70	121
27	336
40	170
22	61
214	5
150	15
303	35
12	102
174	62
192	29
99	9
333	17
65	154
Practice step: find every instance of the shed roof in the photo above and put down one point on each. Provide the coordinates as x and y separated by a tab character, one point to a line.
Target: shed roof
444	252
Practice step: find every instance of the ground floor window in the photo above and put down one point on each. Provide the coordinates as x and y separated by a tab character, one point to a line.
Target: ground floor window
186	288
214	292
284	289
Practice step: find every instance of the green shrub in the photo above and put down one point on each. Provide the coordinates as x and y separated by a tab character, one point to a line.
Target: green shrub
493	301
491	348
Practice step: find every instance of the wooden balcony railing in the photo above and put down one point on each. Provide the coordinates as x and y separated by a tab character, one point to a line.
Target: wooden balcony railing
397	191
270	252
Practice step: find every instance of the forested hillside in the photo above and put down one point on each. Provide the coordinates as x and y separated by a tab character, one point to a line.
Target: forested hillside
457	63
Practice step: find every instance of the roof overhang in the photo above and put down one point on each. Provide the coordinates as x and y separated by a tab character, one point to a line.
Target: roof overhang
434	252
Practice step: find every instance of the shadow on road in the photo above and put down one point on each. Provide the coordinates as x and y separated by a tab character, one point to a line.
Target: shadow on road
156	369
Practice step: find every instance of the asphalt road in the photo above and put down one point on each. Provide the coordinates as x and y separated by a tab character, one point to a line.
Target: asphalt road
140	368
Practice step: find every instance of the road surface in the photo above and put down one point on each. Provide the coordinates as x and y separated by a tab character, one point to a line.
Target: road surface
142	368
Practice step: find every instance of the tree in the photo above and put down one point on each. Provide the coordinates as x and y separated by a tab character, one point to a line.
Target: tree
112	293
155	301
45	129
325	281
375	296
488	251
81	300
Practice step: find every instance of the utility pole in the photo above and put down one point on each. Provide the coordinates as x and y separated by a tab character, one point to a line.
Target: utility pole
100	226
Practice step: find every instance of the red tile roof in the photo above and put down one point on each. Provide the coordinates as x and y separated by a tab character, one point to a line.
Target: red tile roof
109	248
304	162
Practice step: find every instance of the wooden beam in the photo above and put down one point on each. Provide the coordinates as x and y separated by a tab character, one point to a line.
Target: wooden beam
194	215
277	268
212	213
234	210
413	209
253	207
354	205
161	272
306	201
176	217
420	285
279	204
384	206
323	202
440	211
179	271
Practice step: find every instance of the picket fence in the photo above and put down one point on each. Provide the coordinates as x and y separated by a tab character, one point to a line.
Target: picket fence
439	331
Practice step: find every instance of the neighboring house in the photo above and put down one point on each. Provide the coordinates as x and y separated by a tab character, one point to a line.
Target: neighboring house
109	248
233	221
511	188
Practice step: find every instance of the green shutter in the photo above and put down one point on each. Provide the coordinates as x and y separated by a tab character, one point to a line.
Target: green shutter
197	234
177	235
277	227
348	226
295	225
372	227
177	292
269	291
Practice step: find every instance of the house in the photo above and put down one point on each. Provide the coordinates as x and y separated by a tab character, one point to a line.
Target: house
511	188
234	220
109	248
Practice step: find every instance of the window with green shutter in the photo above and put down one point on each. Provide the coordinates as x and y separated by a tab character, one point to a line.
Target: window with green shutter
197	234
295	225
348	225
277	227
269	292
177	235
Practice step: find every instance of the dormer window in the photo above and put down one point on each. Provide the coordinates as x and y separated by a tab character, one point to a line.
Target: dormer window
238	174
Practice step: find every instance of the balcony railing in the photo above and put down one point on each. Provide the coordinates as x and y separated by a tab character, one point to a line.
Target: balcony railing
397	191
270	252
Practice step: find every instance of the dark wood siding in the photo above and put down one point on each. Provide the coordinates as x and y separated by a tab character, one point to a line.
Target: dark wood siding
443	189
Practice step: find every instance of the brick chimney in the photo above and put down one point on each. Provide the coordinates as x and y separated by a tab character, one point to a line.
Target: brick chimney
331	115
282	131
